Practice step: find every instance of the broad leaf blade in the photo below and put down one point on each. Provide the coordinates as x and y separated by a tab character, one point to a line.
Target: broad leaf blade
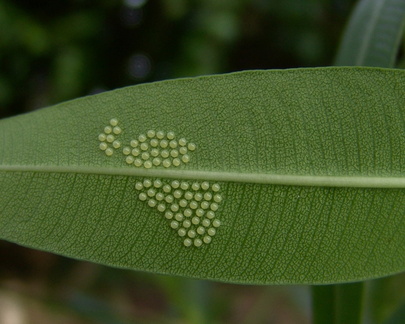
373	34
310	163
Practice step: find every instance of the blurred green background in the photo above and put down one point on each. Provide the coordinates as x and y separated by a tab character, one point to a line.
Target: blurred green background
52	51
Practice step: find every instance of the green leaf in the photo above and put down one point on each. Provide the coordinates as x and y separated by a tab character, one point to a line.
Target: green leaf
373	34
307	168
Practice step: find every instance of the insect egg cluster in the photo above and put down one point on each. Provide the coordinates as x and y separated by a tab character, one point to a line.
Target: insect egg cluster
189	207
155	149
108	138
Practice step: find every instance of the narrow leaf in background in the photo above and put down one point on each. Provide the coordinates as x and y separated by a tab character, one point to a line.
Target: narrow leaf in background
373	34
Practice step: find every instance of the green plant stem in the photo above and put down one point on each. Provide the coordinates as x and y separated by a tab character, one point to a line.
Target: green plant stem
323	304
349	303
338	304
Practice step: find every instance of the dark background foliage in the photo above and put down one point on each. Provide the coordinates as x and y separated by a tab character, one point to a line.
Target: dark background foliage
52	51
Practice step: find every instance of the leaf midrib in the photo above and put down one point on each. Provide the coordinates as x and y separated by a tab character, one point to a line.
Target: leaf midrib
257	178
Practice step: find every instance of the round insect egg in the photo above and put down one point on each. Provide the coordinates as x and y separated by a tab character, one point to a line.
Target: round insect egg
179	217
200	230
193	205
174	224
109	152
183	203
147	164
145	155
173	144
151	192
167	188
182	232
103	146
164	154
157	183
157	161
185	158
197	242
160	196
216	187
174	153
154	152
161	207
199	212
107	129
164	143
205	185
216	223
205	205
188	195
142	138
117	130
168	215
217	198
211	231
142	196
186	223
176	162
134	143
207	239
214	206
166	163
135	152
187	242
198	196
160	134
191	146
206	222
151	133
154	142
126	150
195	220
182	141
102	137
129	159
113	122
187	212
195	186
139	185
169	199
182	150
191	233
184	185
144	146
175	184
147	183
210	214
138	162
110	138
207	196
174	207
170	135
116	144
177	194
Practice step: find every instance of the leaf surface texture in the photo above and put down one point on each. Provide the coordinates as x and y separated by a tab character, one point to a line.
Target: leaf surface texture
309	166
